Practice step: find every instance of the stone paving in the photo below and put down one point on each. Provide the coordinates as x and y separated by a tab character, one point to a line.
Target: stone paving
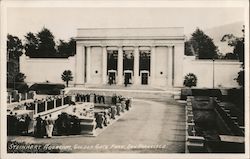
152	126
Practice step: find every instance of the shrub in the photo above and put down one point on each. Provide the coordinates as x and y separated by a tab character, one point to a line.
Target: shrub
190	80
47	88
240	78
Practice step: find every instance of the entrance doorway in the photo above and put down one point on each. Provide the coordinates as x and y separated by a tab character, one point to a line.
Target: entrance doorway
111	77
144	77
127	77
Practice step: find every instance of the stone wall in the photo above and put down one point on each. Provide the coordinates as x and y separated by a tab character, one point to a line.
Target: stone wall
50	69
39	70
225	71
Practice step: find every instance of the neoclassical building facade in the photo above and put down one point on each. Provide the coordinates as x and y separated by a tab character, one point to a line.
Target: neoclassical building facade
135	56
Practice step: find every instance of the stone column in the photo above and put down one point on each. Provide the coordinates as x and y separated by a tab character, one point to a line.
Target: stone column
152	65
88	69
80	64
104	65
170	66
136	65
120	66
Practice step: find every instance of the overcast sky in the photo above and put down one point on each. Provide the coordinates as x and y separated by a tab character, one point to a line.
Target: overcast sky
63	22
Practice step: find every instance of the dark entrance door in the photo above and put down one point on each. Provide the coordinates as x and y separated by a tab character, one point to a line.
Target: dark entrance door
144	78
127	78
111	78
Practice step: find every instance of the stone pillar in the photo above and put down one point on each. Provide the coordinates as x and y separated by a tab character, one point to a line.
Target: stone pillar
170	66
152	65
178	54
120	66
136	65
104	65
88	69
80	64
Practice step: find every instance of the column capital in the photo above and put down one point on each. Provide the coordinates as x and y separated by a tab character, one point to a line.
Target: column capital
119	46
170	45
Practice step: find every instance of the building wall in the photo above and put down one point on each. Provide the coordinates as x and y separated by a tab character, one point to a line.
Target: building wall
225	72
39	70
161	66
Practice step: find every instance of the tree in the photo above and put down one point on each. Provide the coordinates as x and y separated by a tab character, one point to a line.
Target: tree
47	44
66	49
31	45
14	51
240	79
238	43
67	76
188	49
230	56
20	77
14	47
203	46
190	80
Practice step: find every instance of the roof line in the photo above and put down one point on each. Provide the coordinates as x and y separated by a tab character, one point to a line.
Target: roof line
129	28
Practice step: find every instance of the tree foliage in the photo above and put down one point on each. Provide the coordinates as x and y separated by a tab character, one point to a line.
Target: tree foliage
238	43
31	44
190	80
43	45
188	49
202	45
240	78
66	49
14	47
47	44
67	76
20	77
230	56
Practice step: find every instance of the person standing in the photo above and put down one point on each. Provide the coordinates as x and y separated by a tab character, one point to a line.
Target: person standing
38	132
49	126
44	127
27	123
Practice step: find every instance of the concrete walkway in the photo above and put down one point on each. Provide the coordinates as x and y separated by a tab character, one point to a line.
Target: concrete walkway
150	127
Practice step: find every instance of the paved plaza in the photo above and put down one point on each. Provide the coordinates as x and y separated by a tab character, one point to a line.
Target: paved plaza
152	126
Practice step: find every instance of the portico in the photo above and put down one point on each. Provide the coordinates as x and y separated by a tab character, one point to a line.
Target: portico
136	56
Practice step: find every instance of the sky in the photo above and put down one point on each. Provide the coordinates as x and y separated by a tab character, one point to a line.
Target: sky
63	22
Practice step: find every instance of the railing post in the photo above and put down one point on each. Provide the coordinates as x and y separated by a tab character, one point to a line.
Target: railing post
36	108
62	100
19	97
46	105
10	98
26	96
54	103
